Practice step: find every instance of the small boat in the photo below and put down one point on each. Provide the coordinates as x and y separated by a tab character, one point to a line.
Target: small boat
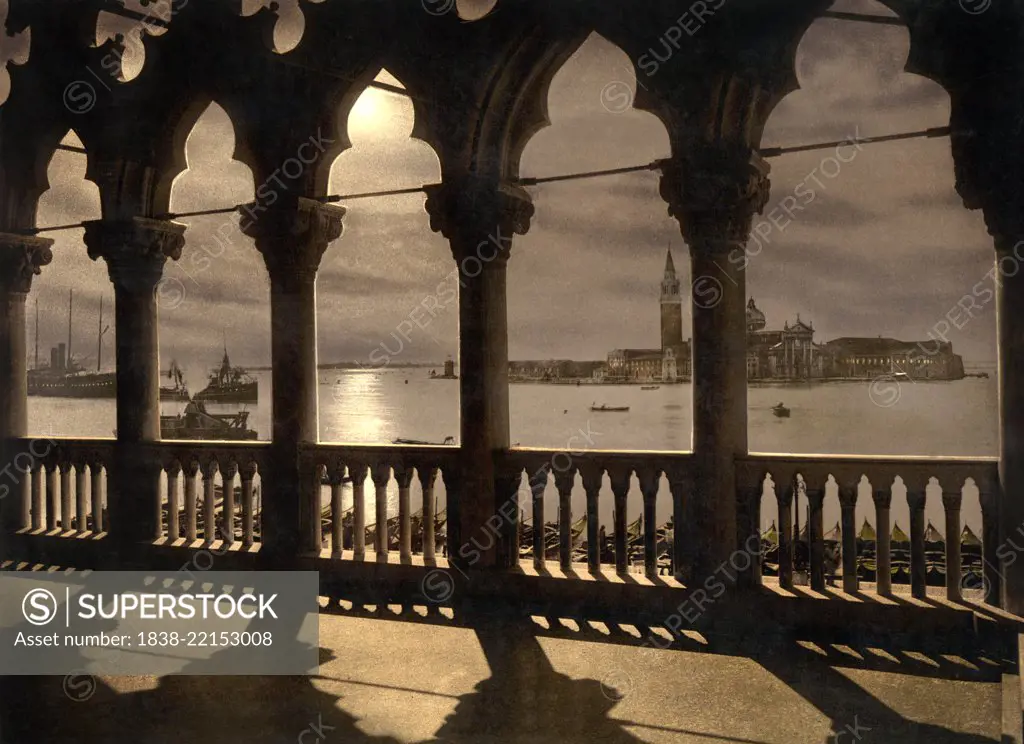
901	376
196	423
604	408
447	440
781	411
650	387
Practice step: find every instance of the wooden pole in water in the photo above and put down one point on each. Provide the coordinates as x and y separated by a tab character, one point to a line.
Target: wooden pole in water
35	365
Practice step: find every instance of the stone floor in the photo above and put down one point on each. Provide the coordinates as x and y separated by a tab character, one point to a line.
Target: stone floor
386	679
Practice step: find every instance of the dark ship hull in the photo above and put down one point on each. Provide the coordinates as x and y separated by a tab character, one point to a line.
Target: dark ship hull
246	392
103	385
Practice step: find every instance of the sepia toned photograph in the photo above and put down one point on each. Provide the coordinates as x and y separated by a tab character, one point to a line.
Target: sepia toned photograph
526	371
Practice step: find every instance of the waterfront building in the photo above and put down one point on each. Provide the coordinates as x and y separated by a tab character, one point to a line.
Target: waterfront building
875	357
792	354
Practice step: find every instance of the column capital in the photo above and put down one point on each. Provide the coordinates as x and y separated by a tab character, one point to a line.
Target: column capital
293	237
713	190
784	493
847	497
135	249
951	500
815	497
882	499
22	258
473	212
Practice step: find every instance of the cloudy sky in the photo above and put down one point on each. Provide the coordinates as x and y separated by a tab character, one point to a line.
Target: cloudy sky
886	248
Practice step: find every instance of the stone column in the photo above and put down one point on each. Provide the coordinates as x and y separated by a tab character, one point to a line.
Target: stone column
292	236
21	258
479	218
1010	321
714	192
135	251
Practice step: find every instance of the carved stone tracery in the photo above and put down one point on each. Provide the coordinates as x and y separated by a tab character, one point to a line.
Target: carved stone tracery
135	250
476	214
293	237
714	190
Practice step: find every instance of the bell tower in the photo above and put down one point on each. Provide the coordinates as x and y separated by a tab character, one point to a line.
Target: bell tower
671	308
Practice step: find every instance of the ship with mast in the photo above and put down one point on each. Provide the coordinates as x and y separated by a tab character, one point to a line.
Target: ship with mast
229	384
65	377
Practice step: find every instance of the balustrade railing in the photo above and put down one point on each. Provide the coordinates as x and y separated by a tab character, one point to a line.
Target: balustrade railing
211	491
812	479
58	486
590	509
409	500
657	481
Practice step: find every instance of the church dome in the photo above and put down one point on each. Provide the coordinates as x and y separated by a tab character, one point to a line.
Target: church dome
755	318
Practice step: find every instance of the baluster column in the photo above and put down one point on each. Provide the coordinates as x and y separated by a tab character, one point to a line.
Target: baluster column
784	493
428	477
81	490
479	216
21	259
191	471
358	472
403	476
135	251
173	501
538	480
381	478
336	477
226	528
918	567
564	481
592	475
52	471
65	494
248	475
619	476
210	468
815	536
650	479
714	190
681	484
883	540
292	235
951	501
848	508
96	470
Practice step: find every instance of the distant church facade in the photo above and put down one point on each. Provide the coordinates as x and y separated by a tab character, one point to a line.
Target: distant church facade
788	354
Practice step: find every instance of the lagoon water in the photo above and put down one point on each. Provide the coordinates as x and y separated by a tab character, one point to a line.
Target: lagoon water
957	418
